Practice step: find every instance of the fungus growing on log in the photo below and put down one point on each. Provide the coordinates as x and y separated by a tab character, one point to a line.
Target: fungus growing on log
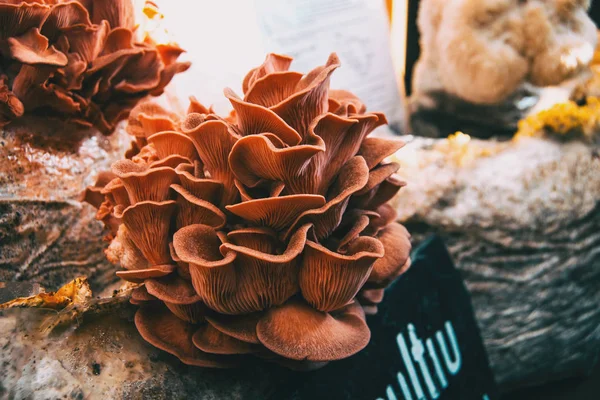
266	233
78	61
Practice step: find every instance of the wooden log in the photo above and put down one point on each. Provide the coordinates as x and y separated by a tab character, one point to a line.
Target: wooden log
46	235
522	221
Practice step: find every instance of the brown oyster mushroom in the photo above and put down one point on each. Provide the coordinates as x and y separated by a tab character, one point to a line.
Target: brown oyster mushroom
267	274
172	161
179	297
380	218
10	105
196	107
310	96
254	119
265	233
371	296
116	12
193	313
94	194
210	340
256	158
144	184
172	289
273	88
213	141
331	141
378	175
369	299
206	189
241	327
19	17
171	142
148	224
273	63
396	241
116	192
32	48
78	61
183	268
193	210
139	275
140	295
244	276
343	100
149	118
316	335
276	212
360	224
122	250
329	280
379	195
353	177
374	150
163	329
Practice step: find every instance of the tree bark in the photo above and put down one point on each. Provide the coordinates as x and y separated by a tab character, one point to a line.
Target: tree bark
522	221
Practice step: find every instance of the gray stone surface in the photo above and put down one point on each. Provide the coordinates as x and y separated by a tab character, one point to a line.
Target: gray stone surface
522	221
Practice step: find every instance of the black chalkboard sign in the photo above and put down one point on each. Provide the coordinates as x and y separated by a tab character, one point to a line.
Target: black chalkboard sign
425	343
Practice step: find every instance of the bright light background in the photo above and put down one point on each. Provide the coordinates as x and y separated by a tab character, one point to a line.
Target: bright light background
224	39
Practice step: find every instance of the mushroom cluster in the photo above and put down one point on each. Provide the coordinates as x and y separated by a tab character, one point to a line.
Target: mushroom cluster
78	61
267	232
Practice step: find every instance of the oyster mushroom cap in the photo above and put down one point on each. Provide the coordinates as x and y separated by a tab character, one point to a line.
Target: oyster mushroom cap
211	340
164	330
172	289
242	327
316	335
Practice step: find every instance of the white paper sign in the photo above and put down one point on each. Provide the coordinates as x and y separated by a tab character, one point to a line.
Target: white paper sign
224	39
357	30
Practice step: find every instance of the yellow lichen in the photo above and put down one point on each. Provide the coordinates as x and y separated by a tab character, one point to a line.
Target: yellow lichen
564	120
462	151
578	118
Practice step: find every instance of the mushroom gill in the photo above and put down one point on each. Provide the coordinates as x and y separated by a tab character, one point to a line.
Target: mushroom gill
266	233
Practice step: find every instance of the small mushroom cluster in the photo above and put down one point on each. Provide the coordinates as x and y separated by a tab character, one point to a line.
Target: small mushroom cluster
265	233
78	61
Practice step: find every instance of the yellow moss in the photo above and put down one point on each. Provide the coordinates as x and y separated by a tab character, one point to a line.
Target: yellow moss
565	120
461	151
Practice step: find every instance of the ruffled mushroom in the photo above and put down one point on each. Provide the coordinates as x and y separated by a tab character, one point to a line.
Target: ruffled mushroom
264	234
78	61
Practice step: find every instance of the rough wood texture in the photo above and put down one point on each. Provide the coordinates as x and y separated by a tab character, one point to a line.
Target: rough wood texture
106	358
522	221
50	243
46	235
